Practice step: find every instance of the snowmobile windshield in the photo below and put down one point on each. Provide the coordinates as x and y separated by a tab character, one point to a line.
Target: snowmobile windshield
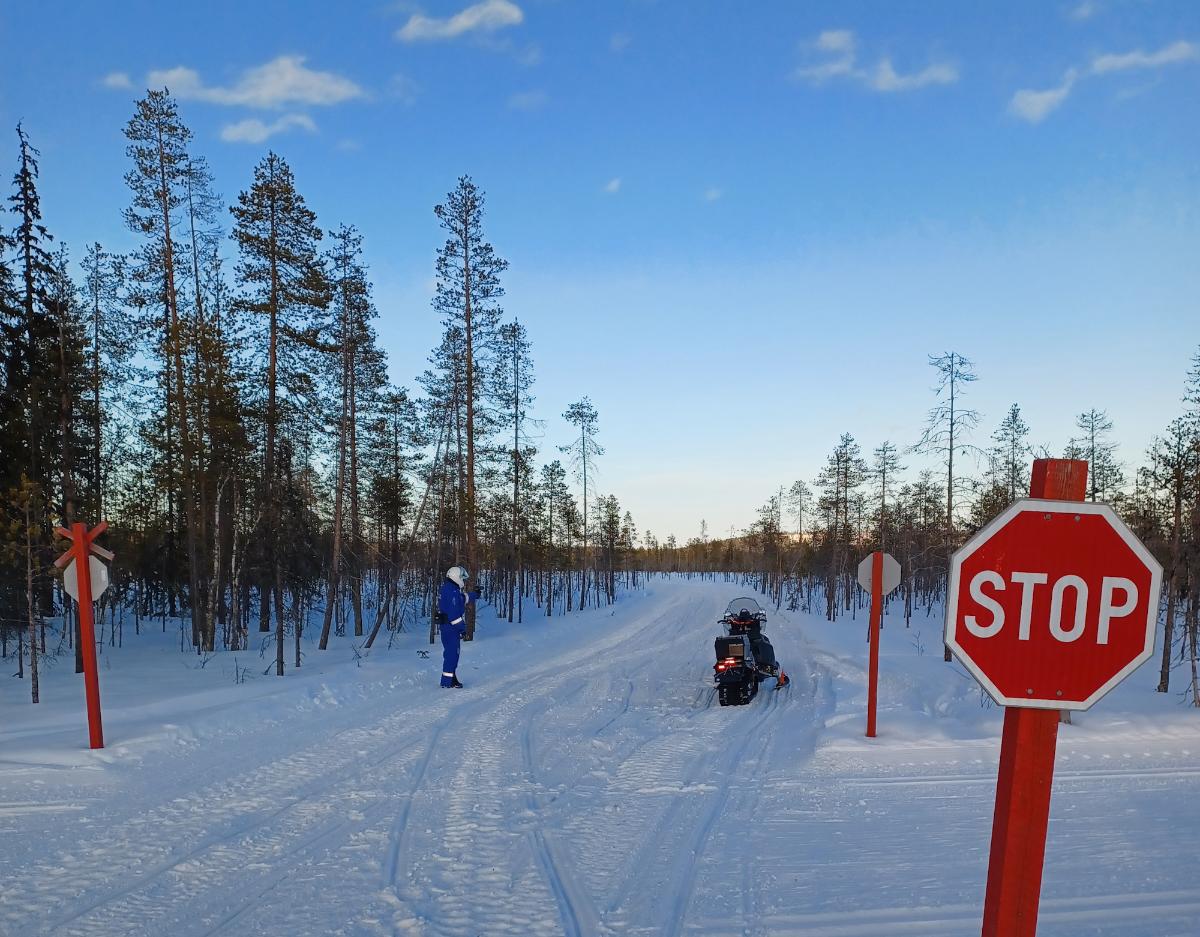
734	608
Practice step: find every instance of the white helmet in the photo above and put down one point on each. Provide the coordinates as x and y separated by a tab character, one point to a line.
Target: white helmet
458	575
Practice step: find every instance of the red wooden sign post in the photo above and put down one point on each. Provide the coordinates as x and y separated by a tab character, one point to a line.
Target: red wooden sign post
82	548
1050	606
1027	750
878	574
876	622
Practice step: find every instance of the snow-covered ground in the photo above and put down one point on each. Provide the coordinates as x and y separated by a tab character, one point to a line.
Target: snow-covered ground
584	782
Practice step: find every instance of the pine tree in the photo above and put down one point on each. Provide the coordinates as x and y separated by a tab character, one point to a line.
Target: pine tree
468	294
948	425
359	374
158	142
395	436
799	499
283	281
584	452
513	380
557	500
839	482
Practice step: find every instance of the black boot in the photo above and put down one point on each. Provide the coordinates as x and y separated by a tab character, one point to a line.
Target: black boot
456	684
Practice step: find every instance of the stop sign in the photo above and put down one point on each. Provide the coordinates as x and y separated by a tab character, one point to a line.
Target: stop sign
1052	604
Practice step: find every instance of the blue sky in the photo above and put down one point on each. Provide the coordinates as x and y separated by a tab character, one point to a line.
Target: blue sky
739	227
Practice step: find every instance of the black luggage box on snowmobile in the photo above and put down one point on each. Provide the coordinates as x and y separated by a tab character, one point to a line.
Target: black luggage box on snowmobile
734	646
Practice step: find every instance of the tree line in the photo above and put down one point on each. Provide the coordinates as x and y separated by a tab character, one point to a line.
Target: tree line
807	540
219	395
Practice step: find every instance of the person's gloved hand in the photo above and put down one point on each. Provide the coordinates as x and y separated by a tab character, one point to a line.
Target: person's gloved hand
472	596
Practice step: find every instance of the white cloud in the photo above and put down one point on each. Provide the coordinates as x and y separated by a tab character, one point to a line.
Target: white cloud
1035	106
619	42
1084	11
528	100
253	130
712	193
613	186
116	80
486	16
886	78
817	74
282	81
1173	54
841	44
836	40
840	50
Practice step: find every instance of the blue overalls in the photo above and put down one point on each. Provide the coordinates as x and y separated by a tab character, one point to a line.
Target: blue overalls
452	603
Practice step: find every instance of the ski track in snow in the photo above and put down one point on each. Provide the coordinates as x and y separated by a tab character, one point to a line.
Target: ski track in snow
598	790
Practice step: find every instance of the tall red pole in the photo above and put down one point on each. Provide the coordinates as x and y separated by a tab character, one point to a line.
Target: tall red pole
876	624
1014	885
81	549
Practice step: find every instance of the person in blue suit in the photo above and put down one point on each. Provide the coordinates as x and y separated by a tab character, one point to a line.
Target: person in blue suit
452	611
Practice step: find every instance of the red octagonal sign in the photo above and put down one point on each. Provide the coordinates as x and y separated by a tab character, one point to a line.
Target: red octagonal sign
1052	604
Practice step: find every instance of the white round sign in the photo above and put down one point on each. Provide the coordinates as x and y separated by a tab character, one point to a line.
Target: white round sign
99	578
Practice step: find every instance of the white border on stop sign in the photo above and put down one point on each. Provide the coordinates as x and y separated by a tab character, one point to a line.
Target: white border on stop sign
1047	506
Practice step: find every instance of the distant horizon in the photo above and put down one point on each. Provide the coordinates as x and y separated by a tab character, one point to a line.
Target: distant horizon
739	231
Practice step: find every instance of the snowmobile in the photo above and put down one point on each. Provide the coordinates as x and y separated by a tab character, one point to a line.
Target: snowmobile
744	655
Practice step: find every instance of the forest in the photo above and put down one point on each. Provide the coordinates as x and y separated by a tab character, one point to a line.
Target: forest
804	547
219	396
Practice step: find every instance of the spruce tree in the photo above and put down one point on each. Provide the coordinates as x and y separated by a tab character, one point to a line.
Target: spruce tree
1105	475
32	420
111	345
1012	451
13	436
35	269
885	466
69	381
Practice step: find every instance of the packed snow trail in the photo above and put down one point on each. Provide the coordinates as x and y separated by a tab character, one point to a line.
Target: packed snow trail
586	783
